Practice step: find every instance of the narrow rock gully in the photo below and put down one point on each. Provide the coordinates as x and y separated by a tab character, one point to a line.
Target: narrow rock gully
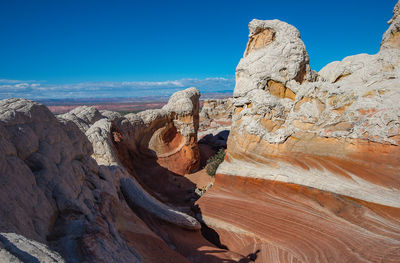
181	193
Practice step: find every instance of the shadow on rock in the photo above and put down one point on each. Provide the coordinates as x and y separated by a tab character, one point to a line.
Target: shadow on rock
250	257
216	141
206	231
14	250
177	192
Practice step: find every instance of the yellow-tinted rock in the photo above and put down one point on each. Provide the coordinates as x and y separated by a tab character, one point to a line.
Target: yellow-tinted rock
394	40
259	40
279	90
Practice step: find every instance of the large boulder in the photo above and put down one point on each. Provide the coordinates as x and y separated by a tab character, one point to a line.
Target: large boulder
274	56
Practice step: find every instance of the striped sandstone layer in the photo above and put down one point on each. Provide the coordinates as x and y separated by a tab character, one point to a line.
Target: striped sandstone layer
312	169
293	223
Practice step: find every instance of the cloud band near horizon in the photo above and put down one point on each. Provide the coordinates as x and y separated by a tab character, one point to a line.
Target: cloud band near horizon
130	89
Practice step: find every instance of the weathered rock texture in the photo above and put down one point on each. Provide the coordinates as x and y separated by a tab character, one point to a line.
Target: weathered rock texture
269	65
320	149
77	184
216	114
216	108
173	132
391	38
215	122
51	189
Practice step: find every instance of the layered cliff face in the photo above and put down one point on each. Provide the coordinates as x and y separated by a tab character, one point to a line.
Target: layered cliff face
313	158
214	109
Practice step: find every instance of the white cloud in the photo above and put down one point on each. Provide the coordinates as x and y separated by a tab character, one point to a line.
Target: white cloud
9	81
37	90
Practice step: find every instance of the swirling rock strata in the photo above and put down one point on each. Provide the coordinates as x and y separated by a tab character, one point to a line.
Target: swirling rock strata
312	167
167	135
281	222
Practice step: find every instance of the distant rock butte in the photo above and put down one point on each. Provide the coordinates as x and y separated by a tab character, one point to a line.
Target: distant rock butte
313	159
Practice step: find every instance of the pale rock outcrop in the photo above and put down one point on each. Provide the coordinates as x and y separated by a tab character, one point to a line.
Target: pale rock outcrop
215	121
83	116
120	142
274	56
168	134
51	190
216	108
63	188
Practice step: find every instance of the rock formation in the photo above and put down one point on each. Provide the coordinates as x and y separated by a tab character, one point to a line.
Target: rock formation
214	109
168	135
72	187
215	122
313	157
51	189
216	114
349	115
311	172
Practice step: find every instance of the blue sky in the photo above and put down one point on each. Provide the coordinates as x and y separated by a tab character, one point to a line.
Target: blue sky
76	48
